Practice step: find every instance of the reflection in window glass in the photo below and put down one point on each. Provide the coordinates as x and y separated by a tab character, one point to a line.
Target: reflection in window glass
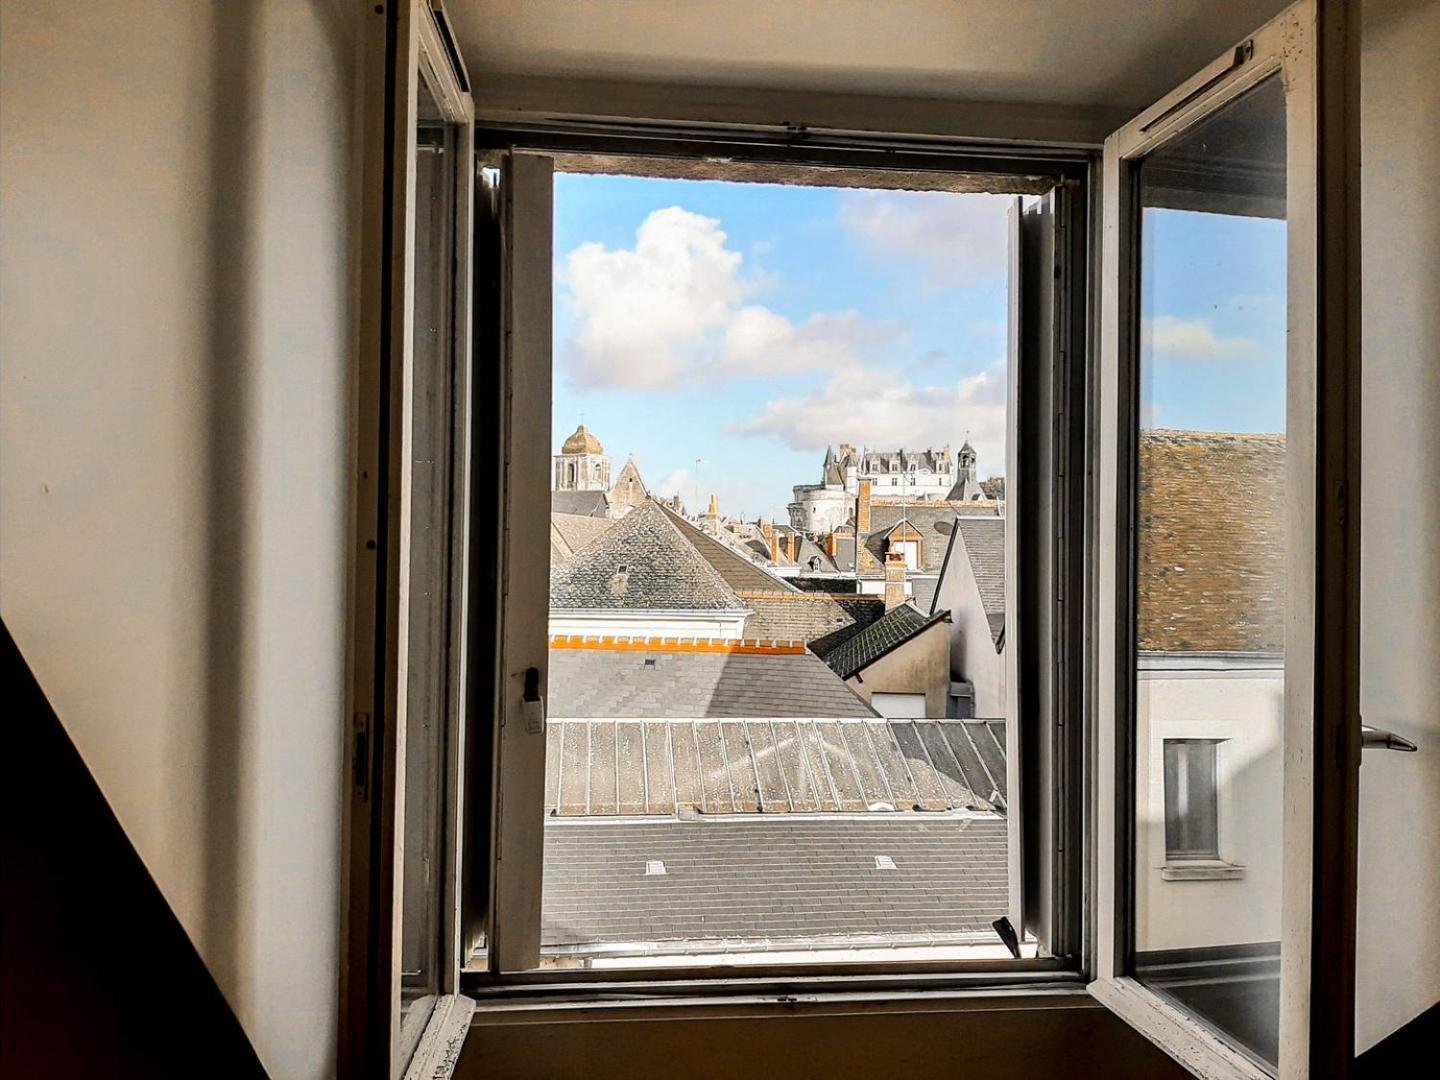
1211	568
1191	799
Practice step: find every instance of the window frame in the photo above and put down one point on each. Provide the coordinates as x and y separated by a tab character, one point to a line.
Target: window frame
1314	49
1174	854
402	43
1067	374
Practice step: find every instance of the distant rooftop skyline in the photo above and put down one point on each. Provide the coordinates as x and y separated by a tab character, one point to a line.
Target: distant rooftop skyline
725	334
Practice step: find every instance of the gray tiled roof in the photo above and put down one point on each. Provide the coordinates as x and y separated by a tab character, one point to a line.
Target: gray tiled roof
739	572
922	589
605	767
772	882
663	571
892	630
623	682
985	545
571	532
585	503
815	618
934	522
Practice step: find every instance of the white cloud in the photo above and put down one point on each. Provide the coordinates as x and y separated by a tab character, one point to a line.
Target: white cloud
878	409
673	309
958	239
643	312
1191	338
758	341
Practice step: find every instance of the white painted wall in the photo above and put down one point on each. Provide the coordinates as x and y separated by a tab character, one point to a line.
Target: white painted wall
973	657
1399	933
1242	705
176	271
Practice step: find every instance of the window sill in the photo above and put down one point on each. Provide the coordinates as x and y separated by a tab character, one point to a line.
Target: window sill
1202	870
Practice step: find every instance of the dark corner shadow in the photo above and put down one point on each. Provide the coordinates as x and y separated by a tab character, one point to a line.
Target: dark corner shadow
97	976
230	296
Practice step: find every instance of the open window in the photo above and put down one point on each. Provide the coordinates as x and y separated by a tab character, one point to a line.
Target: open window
1228	724
713	755
1140	616
411	589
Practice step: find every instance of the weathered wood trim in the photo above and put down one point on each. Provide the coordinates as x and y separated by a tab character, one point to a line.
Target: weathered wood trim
1189	1041
439	1048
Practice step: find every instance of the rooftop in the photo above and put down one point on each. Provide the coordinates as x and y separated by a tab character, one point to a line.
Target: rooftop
583	503
781	765
818	619
893	629
589	679
769	884
640	563
1212	542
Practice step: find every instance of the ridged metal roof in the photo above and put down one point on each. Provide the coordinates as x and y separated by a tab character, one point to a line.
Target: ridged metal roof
629	767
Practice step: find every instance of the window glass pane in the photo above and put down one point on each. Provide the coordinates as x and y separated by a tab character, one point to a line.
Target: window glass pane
1191	809
430	660
1211	567
777	682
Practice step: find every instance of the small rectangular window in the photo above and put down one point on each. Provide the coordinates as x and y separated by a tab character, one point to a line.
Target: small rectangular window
1192	810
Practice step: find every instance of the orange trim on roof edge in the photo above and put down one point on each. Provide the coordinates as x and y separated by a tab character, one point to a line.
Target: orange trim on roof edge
747	646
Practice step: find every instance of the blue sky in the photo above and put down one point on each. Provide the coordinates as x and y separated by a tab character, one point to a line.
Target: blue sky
748	325
1213	299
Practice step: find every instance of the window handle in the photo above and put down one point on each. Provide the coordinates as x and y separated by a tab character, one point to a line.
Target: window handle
1374	738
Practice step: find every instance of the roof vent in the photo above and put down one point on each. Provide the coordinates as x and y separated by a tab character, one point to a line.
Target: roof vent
884	862
654	868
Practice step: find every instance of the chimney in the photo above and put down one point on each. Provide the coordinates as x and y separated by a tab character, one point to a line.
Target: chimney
714	510
767	533
894	580
862	509
832	546
792	547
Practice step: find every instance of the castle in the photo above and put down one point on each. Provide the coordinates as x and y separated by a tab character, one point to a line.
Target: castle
917	475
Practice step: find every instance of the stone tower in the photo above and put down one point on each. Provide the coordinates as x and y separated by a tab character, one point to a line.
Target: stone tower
581	464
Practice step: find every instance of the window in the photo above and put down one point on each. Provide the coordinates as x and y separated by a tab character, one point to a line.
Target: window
491	739
1223	371
1192	809
728	694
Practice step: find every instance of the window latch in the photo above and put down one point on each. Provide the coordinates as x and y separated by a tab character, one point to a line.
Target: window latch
532	705
1374	738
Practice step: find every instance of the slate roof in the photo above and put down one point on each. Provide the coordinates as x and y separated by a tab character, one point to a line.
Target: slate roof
934	522
663	571
1211	542
892	630
781	765
571	532
772	882
813	618
628	682
739	573
922	591
982	539
586	503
